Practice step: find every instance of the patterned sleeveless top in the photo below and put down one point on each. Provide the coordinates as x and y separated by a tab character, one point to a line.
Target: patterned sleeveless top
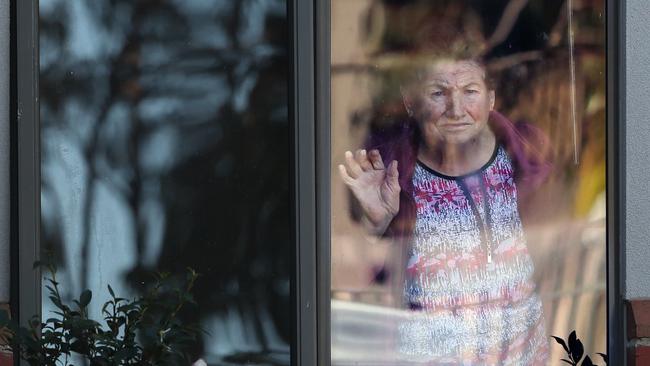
469	273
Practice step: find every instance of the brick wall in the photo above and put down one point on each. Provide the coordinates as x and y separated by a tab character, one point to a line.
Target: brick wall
638	325
6	357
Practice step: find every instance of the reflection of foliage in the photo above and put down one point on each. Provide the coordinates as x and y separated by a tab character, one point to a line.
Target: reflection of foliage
144	331
177	109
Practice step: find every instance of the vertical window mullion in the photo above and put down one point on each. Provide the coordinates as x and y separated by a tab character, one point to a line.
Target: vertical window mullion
616	332
305	182
323	178
26	180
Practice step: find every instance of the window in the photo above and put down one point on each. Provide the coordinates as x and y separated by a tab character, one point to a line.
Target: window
165	144
127	115
468	183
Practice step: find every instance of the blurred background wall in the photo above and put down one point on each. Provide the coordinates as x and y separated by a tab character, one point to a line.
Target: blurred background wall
637	178
637	174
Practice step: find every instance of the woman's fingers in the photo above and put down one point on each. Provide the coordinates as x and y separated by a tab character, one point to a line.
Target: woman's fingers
375	159
358	163
353	168
392	176
361	156
347	179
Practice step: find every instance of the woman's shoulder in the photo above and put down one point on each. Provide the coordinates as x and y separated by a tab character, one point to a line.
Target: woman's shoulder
528	147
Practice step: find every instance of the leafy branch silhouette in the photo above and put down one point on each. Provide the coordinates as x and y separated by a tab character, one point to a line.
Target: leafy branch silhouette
575	351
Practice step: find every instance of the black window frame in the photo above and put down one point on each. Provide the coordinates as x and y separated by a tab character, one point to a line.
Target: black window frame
25	161
310	122
615	181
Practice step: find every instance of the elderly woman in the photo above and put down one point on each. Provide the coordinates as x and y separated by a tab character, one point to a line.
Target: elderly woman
449	192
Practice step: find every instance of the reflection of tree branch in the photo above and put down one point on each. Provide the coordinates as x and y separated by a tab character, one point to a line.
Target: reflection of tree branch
247	230
54	242
90	152
507	21
245	242
559	28
131	61
498	64
91	149
507	62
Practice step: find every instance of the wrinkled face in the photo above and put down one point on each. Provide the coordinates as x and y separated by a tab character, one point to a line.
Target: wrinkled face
451	102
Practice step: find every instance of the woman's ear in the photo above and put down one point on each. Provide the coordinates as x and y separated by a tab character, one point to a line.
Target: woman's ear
492	99
406	99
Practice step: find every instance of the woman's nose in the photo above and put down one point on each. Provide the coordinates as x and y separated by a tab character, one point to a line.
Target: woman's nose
455	109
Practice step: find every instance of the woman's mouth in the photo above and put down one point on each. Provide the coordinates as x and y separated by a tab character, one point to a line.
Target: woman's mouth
456	126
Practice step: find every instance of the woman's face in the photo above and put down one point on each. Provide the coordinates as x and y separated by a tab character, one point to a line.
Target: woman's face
451	102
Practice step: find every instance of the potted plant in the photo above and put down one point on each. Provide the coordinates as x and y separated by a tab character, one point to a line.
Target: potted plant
143	331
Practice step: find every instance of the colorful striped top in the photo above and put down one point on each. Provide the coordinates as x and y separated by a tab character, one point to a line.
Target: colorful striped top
469	273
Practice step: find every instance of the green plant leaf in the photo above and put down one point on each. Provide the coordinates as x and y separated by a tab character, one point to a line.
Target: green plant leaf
50	289
130	333
57	302
79	347
85	298
54	283
125	354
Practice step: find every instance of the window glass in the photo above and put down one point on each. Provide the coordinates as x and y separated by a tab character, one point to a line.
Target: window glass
468	181
165	145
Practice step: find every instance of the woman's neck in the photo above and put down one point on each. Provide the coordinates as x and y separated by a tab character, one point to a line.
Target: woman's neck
458	159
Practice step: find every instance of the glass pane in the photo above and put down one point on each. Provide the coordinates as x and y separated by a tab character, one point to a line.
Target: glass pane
165	145
468	217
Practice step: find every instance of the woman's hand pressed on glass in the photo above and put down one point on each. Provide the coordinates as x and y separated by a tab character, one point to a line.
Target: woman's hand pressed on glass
375	186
